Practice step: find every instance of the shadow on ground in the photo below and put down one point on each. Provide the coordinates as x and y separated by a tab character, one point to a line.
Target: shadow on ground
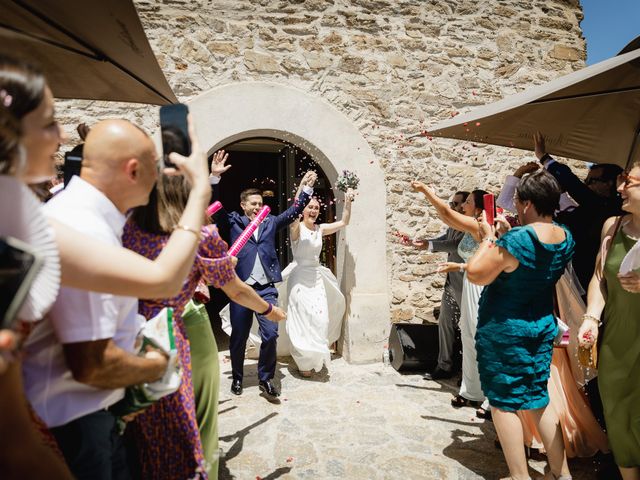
223	472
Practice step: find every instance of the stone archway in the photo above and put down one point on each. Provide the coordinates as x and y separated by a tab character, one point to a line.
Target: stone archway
250	109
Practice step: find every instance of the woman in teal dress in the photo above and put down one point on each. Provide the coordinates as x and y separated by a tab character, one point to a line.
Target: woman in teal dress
614	290
516	325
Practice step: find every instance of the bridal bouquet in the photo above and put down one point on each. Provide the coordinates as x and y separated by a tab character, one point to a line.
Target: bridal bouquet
347	180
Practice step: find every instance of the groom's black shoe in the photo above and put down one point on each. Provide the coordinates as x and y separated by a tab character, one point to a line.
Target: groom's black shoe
236	387
269	388
438	374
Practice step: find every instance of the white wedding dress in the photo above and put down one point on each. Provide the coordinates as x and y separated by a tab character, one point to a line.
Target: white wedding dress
314	304
310	295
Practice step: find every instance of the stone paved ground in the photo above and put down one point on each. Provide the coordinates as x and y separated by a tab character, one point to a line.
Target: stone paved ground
358	422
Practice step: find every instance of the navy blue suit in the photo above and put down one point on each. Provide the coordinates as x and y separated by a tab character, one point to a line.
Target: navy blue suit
265	248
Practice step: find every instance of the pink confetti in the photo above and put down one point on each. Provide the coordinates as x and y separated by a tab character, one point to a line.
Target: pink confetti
289	459
477	124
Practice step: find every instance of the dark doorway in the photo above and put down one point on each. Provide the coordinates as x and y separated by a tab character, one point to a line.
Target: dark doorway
275	167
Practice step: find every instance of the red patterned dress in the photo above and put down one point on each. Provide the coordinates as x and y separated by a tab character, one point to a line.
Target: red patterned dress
166	434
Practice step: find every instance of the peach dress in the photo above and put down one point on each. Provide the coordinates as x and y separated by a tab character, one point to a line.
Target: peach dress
582	434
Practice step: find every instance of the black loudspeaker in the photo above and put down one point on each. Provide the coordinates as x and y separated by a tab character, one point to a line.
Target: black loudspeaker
413	346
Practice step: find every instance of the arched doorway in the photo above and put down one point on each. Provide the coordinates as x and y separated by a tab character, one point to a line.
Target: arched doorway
245	110
275	167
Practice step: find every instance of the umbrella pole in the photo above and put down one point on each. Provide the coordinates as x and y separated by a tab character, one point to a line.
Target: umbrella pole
634	148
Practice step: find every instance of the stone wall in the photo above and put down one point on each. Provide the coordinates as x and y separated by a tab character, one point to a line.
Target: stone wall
391	66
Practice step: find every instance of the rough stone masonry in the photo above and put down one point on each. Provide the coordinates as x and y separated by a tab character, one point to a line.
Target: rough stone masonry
393	67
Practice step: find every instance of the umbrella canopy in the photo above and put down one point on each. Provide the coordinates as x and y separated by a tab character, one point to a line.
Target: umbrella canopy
592	114
89	49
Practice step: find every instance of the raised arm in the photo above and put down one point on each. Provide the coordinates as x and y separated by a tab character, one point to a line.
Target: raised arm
329	228
455	220
303	195
569	181
90	265
489	261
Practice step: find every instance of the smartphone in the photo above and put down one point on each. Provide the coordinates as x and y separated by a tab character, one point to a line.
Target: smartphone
490	207
72	165
19	265
175	131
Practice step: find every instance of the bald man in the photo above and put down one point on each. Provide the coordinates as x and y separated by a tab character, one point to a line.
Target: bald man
80	358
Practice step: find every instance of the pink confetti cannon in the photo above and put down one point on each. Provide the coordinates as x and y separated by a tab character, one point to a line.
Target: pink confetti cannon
213	208
246	234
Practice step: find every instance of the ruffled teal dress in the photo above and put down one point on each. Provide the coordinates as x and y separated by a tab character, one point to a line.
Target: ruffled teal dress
516	326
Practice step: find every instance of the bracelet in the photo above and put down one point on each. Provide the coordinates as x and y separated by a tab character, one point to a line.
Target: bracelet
267	311
188	229
462	267
489	239
587	316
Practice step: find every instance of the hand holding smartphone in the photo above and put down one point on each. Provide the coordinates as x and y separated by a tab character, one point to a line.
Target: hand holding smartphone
72	165
489	207
175	131
19	265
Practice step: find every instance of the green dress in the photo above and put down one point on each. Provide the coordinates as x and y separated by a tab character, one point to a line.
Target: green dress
619	362
206	380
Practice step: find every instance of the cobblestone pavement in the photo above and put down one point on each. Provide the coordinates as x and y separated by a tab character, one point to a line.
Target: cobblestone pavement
356	422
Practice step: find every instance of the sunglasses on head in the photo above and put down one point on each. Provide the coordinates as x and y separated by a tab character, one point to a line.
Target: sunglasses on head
627	180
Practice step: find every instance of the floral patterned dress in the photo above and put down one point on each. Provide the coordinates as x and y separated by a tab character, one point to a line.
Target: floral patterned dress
166	434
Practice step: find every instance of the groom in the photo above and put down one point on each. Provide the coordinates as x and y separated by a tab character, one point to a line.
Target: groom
259	267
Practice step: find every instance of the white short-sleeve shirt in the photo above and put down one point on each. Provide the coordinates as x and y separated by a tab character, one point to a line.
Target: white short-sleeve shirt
78	316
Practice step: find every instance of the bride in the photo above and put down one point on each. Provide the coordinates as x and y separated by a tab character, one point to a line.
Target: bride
310	292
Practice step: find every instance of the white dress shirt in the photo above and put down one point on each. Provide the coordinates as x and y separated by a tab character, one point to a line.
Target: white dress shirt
78	316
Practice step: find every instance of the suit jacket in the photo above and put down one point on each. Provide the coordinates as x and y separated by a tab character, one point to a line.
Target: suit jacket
585	221
265	246
449	243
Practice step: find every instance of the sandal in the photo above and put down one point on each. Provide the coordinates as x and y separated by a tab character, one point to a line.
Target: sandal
484	414
459	401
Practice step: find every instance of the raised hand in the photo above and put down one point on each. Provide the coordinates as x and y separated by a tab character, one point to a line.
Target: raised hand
528	167
418	186
312	177
502	224
350	195
486	230
540	148
218	161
